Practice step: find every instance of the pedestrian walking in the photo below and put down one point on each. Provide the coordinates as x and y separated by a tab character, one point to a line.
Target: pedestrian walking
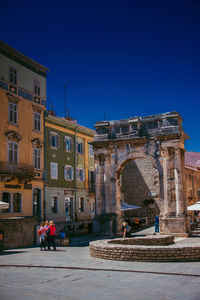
42	233
47	235
156	224
51	231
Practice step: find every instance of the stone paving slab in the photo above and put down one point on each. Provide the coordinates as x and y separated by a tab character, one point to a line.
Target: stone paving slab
88	278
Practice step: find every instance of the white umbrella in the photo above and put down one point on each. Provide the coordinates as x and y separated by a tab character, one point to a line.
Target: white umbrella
126	206
4	205
195	206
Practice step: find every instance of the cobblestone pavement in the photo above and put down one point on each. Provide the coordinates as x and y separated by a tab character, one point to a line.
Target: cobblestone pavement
70	273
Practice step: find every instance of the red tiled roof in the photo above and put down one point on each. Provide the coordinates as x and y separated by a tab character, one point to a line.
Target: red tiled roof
192	159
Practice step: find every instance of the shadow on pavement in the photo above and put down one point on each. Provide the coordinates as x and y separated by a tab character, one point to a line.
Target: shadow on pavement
7	252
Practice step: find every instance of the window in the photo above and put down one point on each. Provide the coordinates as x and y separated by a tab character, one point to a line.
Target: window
12	112
68	143
12	152
68	172
81	204
16	202
54	170
81	174
80	147
6	198
36	87
92	205
36	158
54	204
13	75
54	140
91	179
91	150
37	121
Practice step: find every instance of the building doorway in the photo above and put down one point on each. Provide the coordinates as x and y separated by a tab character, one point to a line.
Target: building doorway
37	203
68	208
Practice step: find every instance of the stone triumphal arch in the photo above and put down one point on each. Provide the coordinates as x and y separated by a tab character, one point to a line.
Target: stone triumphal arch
157	139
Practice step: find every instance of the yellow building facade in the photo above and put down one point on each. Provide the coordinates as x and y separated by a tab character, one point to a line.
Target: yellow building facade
22	107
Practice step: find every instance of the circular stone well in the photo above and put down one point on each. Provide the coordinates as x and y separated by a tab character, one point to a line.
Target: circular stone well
149	248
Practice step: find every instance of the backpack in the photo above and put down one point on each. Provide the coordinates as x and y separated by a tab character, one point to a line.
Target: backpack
128	228
39	232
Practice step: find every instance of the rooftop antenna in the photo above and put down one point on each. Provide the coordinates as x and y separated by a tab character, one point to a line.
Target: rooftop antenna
66	110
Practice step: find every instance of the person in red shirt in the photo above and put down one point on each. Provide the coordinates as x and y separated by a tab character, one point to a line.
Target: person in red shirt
51	231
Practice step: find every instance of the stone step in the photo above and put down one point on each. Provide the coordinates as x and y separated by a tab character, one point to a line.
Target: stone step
195	232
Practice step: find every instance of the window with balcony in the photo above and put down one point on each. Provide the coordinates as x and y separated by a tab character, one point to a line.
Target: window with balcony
81	204
54	204
36	87
16	202
54	170
68	172
67	144
12	112
12	152
36	121
13	75
37	158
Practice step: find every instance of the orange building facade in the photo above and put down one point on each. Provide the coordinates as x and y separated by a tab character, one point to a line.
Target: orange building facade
22	102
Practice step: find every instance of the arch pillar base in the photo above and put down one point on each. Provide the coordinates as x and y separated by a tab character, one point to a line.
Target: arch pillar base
107	224
177	226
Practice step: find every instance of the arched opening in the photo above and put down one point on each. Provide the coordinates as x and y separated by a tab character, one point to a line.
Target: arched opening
138	186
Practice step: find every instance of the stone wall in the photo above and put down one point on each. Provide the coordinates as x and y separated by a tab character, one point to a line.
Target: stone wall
18	232
156	240
174	253
140	180
192	185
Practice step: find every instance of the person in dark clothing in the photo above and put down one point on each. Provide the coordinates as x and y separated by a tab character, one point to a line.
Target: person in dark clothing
156	224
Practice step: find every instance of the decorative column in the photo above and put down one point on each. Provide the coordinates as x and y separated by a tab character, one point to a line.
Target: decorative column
173	220
165	156
99	179
180	207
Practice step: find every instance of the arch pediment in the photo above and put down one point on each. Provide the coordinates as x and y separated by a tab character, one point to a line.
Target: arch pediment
13	136
38	143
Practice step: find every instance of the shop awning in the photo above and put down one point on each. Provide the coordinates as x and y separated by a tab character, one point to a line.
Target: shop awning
4	205
195	206
126	206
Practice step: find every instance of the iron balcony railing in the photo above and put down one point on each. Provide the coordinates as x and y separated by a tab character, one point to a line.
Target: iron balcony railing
14	89
19	169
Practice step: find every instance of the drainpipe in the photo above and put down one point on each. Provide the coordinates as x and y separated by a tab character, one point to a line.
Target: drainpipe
44	206
75	162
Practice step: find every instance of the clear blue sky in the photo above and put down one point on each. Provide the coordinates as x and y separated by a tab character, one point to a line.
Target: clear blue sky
122	58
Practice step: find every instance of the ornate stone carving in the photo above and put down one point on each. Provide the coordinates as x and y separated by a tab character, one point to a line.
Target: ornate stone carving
13	136
37	143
